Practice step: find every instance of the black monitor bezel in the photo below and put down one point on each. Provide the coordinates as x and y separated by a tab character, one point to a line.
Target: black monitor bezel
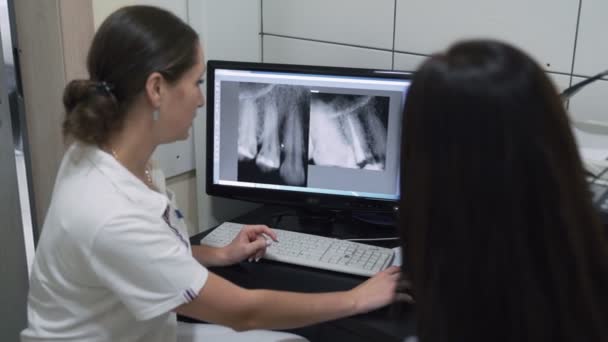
282	197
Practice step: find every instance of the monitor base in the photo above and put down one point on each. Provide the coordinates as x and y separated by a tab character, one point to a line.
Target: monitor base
336	224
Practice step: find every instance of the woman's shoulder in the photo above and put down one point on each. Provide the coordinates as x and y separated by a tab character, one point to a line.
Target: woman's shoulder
93	190
84	196
85	189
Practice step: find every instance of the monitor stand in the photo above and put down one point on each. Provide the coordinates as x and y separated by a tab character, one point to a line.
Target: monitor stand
320	222
341	224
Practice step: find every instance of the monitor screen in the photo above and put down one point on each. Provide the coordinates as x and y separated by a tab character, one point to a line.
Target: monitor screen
304	135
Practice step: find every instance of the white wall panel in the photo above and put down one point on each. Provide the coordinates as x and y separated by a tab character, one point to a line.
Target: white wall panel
592	46
589	112
175	158
103	8
229	30
544	28
357	22
560	81
297	51
590	105
591	140
408	62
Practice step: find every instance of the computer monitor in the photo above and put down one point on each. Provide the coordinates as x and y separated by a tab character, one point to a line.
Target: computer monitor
317	137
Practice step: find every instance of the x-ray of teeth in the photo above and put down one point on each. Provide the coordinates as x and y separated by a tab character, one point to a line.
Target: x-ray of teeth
248	119
348	131
273	131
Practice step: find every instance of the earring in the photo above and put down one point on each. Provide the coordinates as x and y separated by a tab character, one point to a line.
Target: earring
155	114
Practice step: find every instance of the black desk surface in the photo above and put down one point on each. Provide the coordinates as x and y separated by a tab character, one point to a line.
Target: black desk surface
392	323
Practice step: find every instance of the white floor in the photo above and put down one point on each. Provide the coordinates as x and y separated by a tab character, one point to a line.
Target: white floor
26	217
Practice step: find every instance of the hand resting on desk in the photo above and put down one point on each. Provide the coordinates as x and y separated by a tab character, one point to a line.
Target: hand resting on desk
373	293
223	302
251	242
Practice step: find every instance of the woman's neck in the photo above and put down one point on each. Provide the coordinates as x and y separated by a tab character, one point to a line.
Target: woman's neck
133	145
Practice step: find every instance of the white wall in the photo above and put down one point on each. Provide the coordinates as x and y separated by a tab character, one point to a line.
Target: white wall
229	30
103	8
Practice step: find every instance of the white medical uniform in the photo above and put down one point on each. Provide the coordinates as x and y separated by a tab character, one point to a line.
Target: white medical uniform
114	260
108	266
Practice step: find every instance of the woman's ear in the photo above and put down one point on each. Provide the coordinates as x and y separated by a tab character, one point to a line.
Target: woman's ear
153	88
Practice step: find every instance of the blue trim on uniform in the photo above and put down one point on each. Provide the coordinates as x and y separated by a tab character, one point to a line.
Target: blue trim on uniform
168	222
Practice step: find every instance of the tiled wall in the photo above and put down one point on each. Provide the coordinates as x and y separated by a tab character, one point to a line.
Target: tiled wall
567	37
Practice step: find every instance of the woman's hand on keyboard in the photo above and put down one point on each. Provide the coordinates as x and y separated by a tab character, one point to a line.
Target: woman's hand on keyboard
250	244
377	291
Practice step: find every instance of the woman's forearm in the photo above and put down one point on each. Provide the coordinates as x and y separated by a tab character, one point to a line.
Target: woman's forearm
293	310
209	256
224	303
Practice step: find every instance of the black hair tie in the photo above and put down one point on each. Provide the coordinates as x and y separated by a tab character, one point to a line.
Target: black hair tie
104	87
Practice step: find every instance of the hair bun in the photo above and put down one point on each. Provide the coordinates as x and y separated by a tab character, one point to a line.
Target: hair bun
76	92
91	111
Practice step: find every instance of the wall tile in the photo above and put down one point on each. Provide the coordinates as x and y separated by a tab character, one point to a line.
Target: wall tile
356	22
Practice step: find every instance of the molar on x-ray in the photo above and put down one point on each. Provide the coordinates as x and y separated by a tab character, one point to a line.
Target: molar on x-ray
348	131
273	128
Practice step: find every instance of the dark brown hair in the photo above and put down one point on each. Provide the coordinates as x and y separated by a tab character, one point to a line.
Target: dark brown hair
130	44
503	241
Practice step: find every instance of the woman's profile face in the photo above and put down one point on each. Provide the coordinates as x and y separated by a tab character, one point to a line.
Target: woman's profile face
182	100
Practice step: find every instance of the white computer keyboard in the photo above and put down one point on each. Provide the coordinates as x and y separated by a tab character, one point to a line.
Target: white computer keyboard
313	251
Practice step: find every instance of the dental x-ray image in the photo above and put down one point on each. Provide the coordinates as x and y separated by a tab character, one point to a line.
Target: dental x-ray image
273	133
348	131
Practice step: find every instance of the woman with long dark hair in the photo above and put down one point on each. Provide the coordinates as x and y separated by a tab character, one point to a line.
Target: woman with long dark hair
503	241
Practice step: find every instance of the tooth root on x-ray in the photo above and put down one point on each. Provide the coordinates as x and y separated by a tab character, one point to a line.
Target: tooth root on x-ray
355	133
377	135
269	157
248	121
292	169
